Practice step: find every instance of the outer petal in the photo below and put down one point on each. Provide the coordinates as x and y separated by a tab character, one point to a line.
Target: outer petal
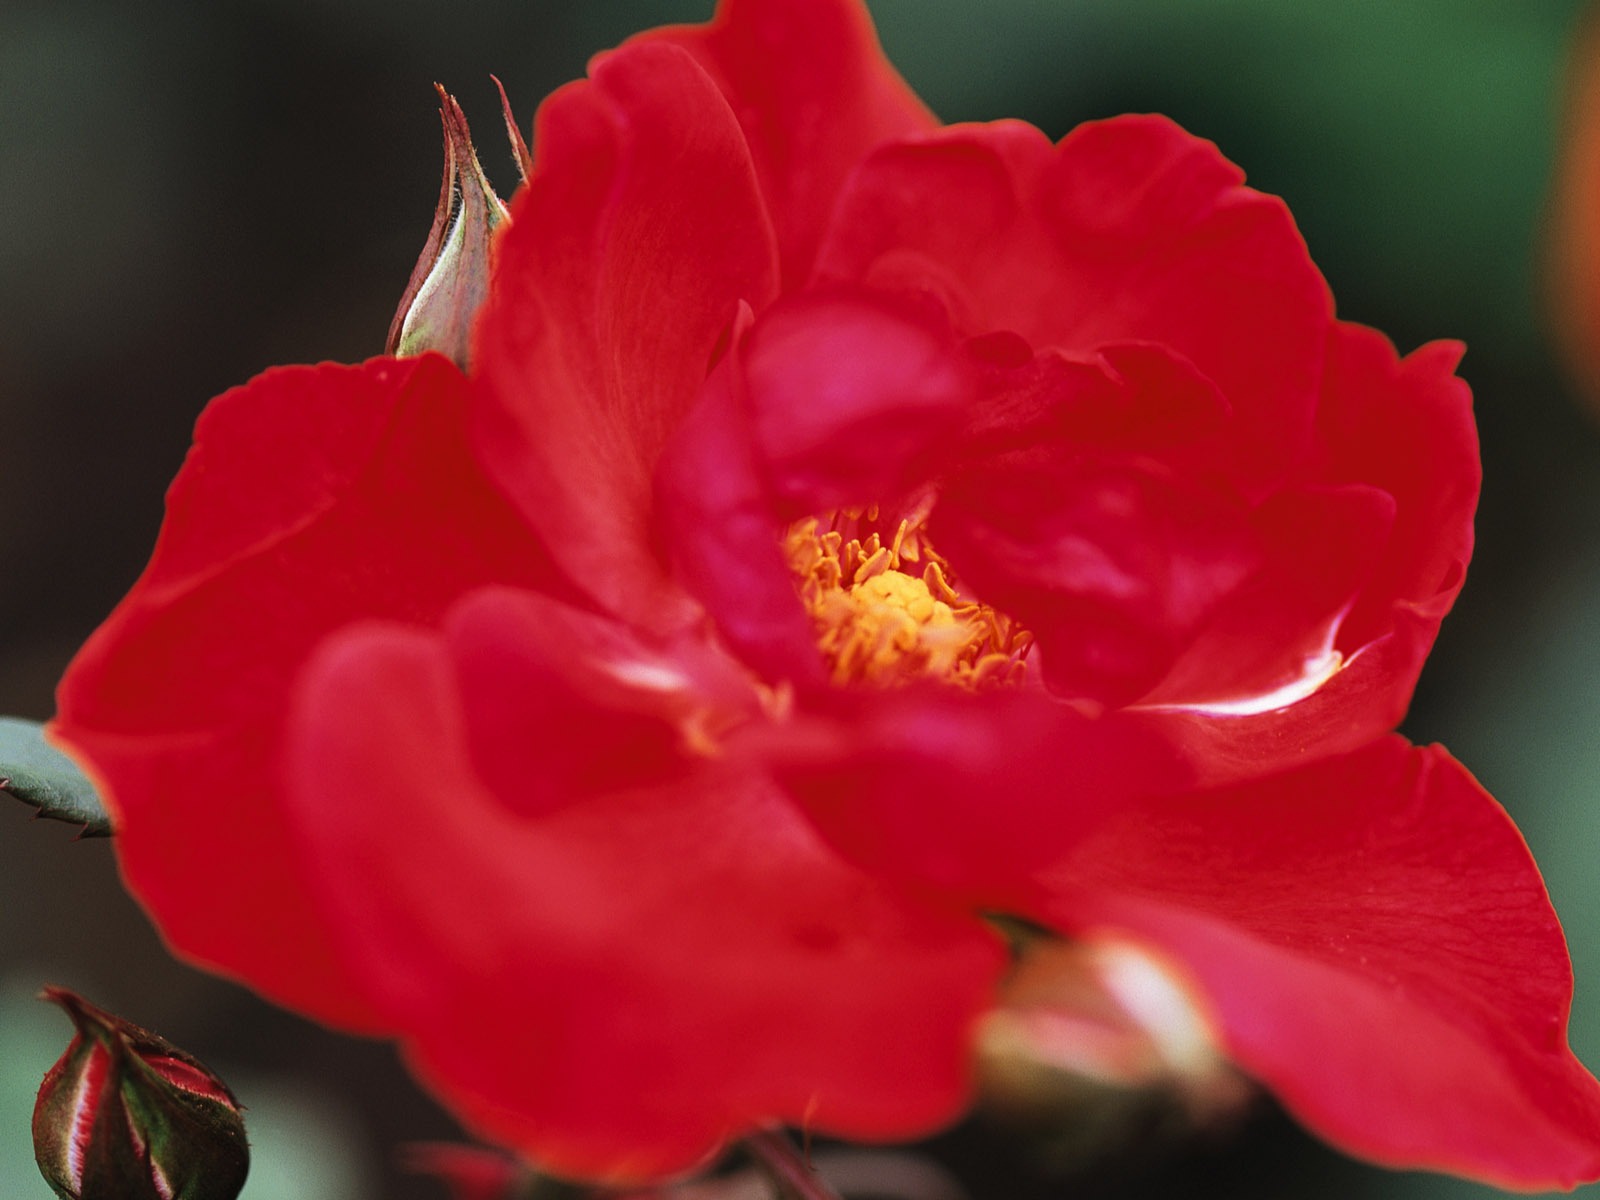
313	495
629	251
1129	230
1376	946
814	94
617	988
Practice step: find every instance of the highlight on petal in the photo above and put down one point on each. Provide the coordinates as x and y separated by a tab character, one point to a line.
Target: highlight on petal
1387	427
1404	424
579	986
1275	639
1376	947
312	496
814	95
638	235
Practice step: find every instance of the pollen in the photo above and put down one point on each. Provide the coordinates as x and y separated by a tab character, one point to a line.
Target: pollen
887	613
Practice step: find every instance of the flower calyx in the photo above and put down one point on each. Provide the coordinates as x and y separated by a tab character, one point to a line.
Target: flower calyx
126	1115
451	279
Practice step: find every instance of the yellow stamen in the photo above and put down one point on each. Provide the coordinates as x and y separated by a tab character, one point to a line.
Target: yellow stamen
879	623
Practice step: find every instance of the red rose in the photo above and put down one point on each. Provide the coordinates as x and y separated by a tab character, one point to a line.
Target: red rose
850	527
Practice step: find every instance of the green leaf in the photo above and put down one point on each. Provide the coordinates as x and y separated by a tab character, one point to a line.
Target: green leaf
36	773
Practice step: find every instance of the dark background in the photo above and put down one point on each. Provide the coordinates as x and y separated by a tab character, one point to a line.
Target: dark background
191	192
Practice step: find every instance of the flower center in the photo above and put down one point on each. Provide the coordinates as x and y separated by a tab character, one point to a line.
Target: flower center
887	614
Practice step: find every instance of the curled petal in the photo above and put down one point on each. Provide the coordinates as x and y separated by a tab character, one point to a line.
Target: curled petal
1112	565
1129	397
607	708
1273	640
849	395
1402	427
1375	945
720	526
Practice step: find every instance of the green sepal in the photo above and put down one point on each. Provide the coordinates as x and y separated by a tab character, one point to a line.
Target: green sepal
36	773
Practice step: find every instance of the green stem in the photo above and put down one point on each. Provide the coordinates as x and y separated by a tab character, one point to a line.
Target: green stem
781	1161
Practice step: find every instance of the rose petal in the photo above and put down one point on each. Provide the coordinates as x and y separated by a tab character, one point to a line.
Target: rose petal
1404	426
313	495
1130	398
629	250
813	93
1376	947
1129	230
607	708
616	989
720	527
1272	641
1113	565
967	794
848	394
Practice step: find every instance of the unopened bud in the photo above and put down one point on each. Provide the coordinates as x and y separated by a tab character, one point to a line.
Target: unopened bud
1097	1042
451	278
126	1115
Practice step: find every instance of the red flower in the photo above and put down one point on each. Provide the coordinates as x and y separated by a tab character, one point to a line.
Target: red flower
850	527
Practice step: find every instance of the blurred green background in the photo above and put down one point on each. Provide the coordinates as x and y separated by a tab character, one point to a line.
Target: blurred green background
190	192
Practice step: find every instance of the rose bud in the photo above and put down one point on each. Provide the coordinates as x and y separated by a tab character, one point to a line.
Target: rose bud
1097	1043
126	1115
451	278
